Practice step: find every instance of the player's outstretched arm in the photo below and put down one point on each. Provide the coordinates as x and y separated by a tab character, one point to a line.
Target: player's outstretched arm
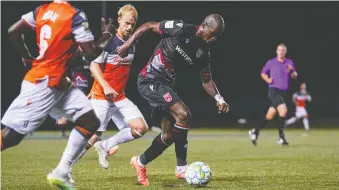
212	90
93	49
148	26
16	36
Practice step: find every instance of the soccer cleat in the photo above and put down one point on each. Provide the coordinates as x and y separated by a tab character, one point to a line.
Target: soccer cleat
282	141
62	183
180	174
102	154
253	136
141	172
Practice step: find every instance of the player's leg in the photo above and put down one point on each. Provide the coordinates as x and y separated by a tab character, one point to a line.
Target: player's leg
75	107
159	144
159	96
291	121
131	125
181	114
104	111
302	113
62	124
282	110
27	112
254	133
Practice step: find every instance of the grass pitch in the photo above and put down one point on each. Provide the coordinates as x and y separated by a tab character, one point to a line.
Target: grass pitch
311	161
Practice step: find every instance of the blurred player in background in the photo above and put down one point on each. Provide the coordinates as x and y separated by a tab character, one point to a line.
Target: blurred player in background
181	44
276	73
108	91
300	99
80	75
60	28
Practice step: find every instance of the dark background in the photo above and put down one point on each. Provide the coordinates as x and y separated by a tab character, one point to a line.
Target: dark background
253	29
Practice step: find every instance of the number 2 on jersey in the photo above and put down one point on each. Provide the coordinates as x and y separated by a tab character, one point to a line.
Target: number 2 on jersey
45	34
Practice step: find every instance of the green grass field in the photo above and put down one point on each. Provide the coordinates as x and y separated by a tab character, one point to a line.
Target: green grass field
310	162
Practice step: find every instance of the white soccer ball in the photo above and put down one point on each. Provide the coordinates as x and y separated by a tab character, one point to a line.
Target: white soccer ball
242	121
198	174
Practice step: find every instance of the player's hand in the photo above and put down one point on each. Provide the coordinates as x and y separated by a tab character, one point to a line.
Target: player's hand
223	107
27	61
122	50
110	92
290	67
109	27
269	80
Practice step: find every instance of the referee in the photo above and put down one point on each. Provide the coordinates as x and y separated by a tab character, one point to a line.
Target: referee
276	73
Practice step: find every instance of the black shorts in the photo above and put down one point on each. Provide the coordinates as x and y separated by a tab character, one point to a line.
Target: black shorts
158	94
276	96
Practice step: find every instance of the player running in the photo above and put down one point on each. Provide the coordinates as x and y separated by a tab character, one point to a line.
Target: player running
108	92
300	99
181	44
276	73
45	89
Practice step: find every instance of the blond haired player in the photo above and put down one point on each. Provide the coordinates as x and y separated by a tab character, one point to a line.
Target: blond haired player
300	99
45	89
108	92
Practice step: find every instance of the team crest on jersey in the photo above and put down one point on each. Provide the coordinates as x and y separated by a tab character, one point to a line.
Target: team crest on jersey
199	53
167	97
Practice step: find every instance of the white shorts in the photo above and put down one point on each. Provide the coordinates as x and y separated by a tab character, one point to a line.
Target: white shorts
300	112
36	101
120	112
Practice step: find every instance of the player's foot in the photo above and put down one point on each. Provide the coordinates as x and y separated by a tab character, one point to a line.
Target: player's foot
180	172
253	136
141	172
102	154
282	141
62	182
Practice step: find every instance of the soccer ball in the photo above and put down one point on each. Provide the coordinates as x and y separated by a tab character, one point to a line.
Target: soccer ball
198	174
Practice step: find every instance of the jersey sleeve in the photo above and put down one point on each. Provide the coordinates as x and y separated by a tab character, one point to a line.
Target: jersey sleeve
292	64
171	27
29	18
266	68
80	28
102	58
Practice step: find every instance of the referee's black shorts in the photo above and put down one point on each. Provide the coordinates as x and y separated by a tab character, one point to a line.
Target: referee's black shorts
276	96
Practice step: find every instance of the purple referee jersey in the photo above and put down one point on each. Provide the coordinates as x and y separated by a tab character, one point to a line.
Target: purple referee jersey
278	71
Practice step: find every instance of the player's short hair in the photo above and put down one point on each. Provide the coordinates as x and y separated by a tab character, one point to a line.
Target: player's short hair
128	8
283	45
216	22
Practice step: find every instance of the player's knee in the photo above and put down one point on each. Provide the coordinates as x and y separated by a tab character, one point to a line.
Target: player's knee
139	127
282	113
306	116
10	138
183	116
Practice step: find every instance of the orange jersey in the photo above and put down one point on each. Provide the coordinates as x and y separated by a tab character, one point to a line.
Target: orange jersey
56	25
301	99
115	70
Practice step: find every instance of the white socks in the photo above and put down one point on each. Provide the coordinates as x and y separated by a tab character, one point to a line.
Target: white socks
75	145
122	136
306	124
291	121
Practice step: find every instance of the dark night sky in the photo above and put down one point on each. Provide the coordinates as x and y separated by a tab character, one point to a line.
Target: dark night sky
253	29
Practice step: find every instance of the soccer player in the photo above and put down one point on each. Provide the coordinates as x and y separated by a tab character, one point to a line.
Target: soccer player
276	73
181	44
108	91
300	98
46	89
